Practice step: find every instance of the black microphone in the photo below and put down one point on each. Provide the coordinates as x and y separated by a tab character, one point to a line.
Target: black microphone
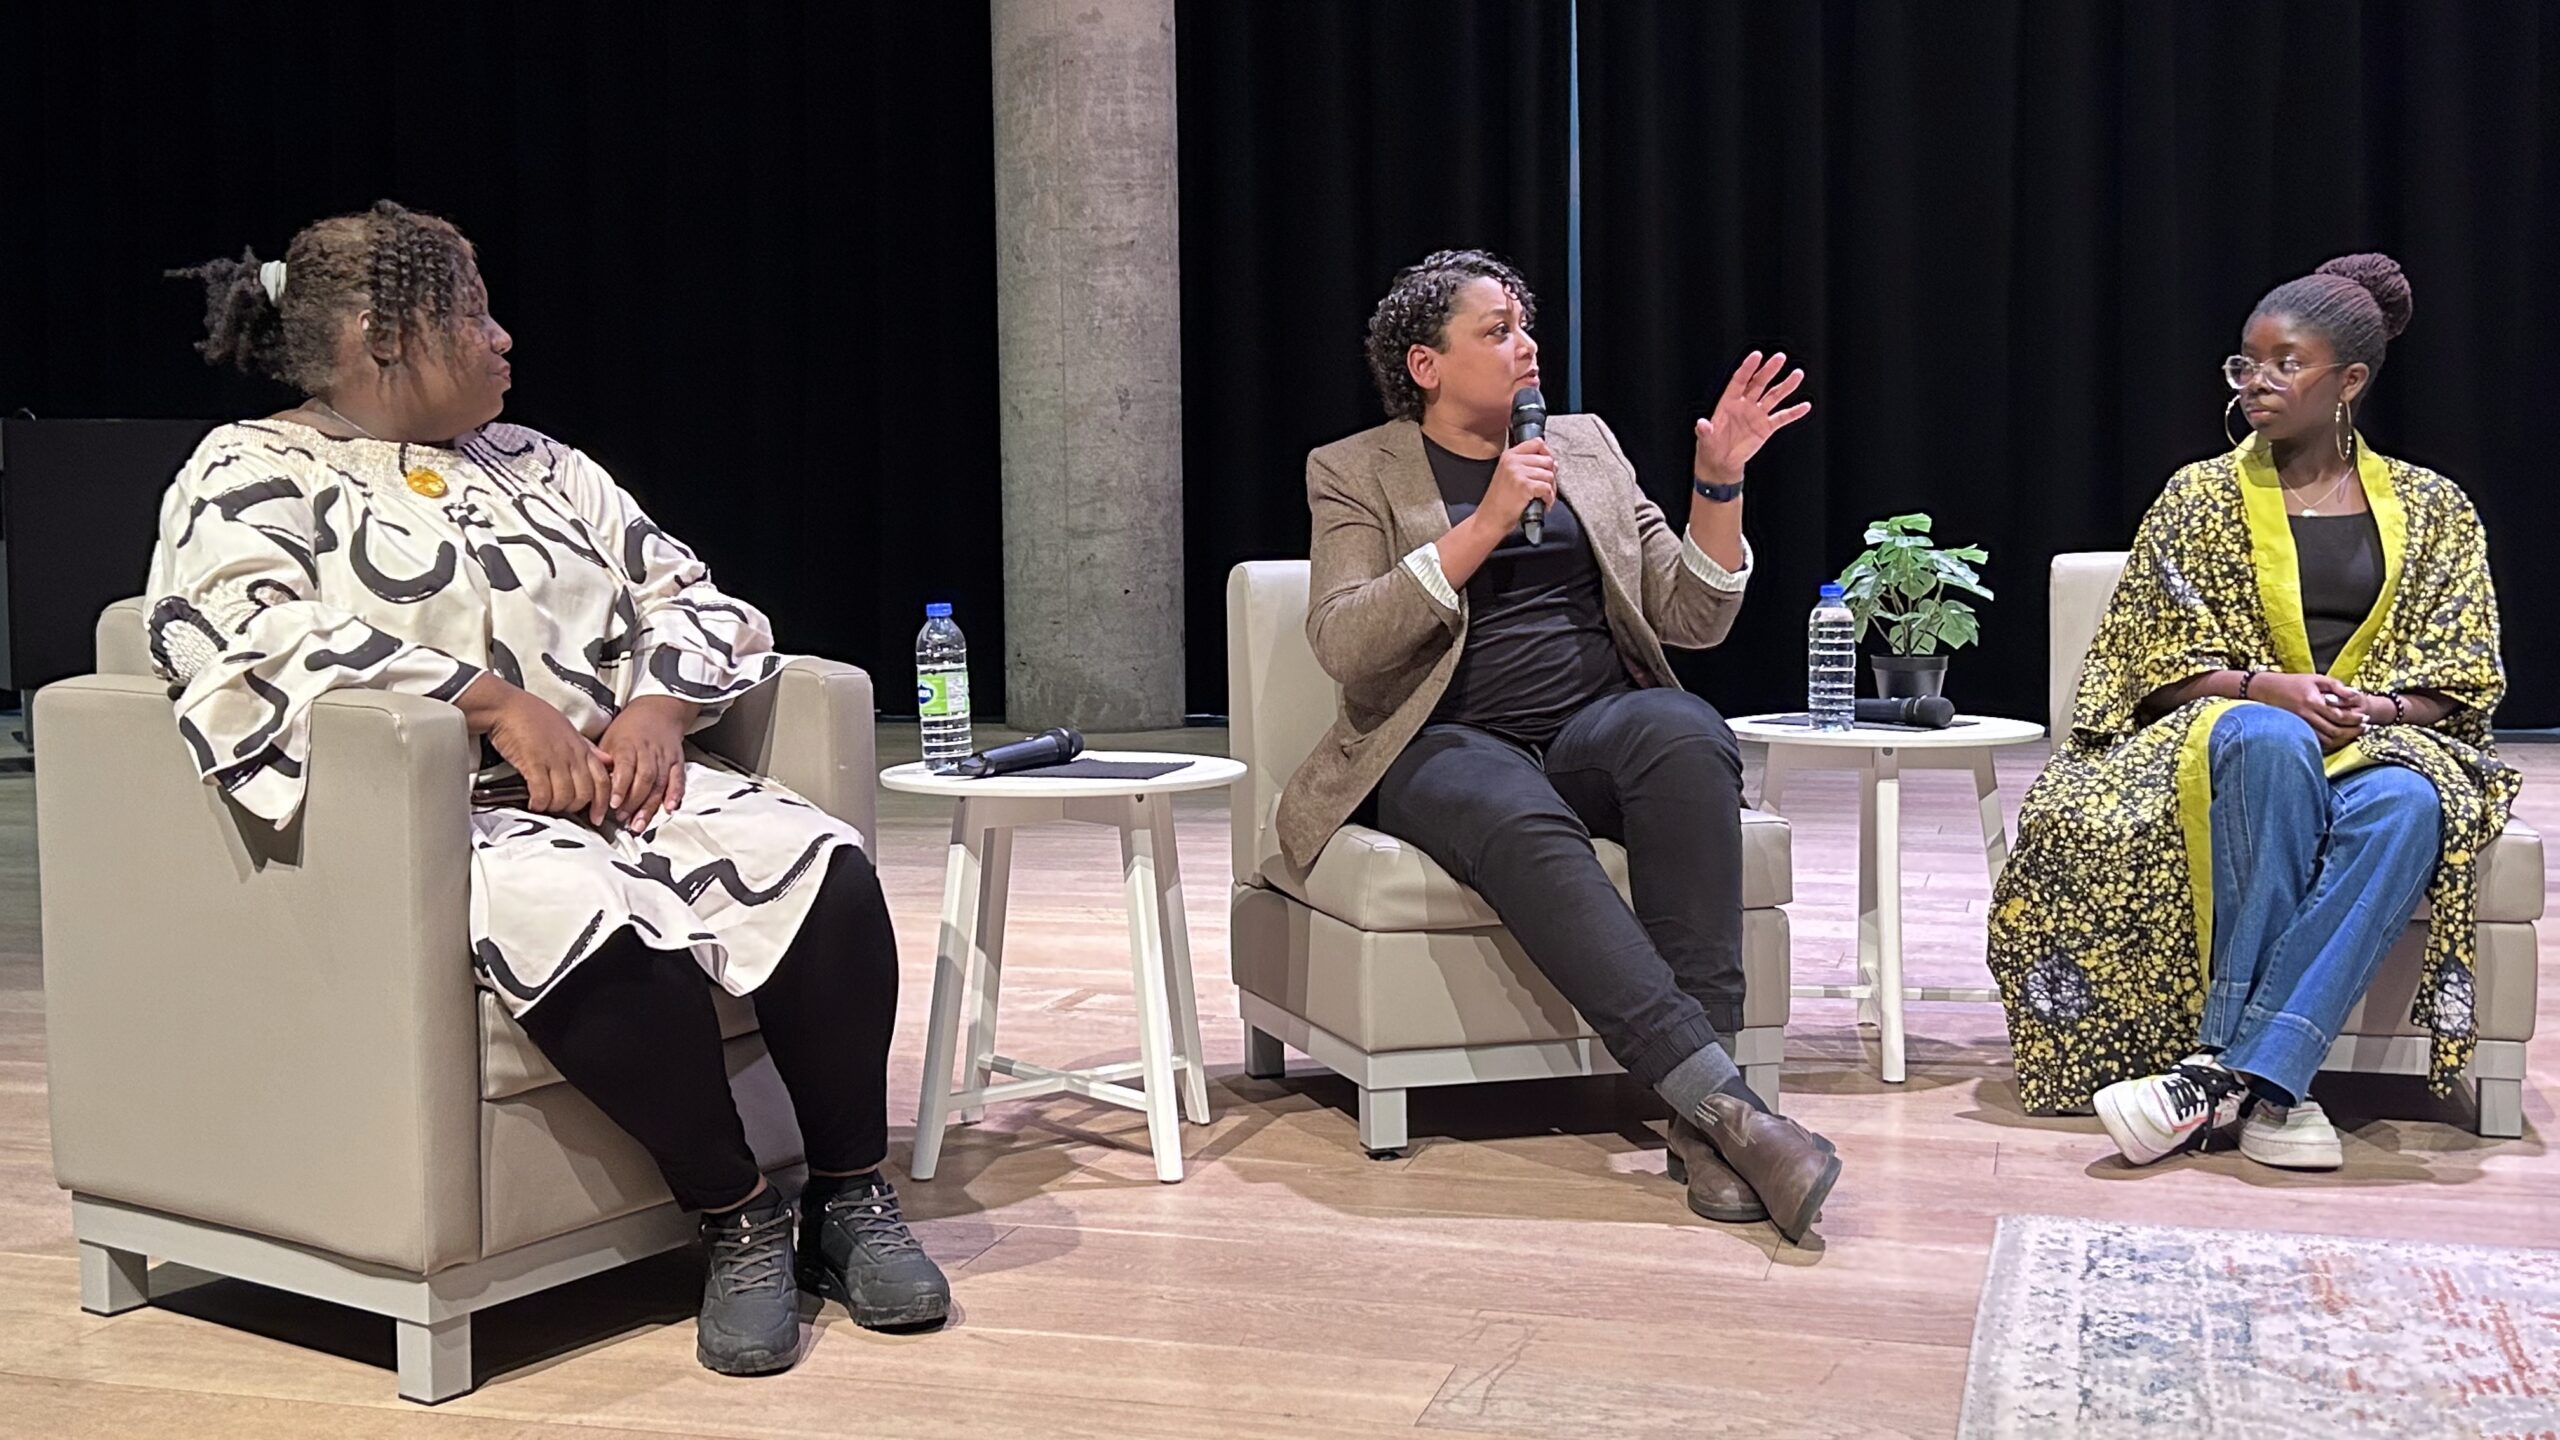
1049	747
1529	422
1926	712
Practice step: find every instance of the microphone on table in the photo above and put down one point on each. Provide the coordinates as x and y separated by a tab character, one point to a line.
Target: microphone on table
1529	422
1049	747
1927	712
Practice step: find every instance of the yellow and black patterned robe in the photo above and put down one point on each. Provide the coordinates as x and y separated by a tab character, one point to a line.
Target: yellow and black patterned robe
2102	923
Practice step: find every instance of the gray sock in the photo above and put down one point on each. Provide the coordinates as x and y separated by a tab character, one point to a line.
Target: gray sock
1709	1072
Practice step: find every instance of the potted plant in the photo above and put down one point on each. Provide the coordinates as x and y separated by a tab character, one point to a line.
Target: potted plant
1900	583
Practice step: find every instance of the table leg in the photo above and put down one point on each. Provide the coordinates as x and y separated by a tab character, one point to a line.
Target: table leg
1142	881
1995	825
1888	891
1774	771
995	886
952	960
1176	923
1869	934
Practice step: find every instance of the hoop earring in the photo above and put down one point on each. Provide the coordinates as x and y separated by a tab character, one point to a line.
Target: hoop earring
2346	433
2236	441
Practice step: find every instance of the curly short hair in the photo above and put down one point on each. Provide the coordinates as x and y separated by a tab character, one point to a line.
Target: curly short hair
411	269
1415	311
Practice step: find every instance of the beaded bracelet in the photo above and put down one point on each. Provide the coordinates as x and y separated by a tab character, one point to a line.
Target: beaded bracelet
2245	677
2399	708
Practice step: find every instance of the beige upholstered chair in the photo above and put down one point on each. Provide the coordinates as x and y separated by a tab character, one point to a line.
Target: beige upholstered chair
1374	961
2378	1038
268	1058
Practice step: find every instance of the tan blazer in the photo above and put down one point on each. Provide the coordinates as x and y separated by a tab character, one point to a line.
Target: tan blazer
1392	645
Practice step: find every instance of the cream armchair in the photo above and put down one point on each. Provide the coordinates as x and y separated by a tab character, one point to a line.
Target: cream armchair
1378	964
2378	1038
268	1058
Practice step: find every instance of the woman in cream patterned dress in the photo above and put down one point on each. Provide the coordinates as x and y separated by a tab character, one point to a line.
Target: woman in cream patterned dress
388	533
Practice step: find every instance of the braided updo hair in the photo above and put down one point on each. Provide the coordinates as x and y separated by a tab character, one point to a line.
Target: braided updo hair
411	269
1415	311
2359	303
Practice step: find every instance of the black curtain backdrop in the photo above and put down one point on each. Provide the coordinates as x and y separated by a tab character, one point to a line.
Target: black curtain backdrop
747	257
1325	146
750	264
2011	243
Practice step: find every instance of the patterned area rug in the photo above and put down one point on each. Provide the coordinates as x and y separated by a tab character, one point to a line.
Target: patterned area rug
2089	1328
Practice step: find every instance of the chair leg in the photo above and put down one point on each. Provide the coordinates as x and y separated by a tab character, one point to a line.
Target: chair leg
1382	1123
113	1281
2501	1108
1265	1058
435	1359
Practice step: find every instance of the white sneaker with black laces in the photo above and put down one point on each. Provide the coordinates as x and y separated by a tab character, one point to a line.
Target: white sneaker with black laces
2292	1137
2162	1114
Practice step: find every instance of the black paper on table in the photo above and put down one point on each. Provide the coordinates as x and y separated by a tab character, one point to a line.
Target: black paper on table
1098	770
1805	722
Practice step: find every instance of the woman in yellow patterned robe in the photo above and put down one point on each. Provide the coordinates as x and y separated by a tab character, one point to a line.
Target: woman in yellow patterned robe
2298	607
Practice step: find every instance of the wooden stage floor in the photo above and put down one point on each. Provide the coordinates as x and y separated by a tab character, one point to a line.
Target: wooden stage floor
1525	1269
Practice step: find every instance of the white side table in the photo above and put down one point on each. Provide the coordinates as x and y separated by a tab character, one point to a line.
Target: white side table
1879	756
971	955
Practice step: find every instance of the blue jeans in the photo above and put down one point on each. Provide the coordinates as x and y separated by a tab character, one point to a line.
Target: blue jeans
2312	882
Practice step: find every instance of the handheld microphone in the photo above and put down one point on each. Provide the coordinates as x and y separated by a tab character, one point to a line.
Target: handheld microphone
1049	747
1529	422
1928	712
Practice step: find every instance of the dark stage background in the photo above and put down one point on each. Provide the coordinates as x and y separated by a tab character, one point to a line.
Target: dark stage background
749	261
750	264
2010	241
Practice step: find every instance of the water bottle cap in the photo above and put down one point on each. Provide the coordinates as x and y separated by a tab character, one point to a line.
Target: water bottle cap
938	610
1829	592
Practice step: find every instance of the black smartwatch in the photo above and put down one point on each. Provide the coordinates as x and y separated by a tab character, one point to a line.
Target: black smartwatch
1721	494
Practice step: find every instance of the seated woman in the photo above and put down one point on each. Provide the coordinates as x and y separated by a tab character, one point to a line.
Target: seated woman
386	532
1504	701
2281	742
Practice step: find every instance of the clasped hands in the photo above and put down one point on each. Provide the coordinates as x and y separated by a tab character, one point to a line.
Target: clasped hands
631	774
2337	712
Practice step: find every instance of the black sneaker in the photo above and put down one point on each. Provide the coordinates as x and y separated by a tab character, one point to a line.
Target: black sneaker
750	1322
856	1248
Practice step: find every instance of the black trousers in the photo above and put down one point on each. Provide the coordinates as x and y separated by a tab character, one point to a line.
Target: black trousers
1656	771
633	1029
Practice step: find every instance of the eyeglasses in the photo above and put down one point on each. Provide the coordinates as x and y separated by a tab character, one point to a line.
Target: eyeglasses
2280	374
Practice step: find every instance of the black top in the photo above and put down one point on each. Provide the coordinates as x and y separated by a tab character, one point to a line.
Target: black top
2339	558
1538	641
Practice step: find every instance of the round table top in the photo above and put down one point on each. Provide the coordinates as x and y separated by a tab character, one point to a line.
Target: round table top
1983	730
1198	772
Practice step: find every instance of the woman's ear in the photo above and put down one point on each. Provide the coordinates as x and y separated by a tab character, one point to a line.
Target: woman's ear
2352	380
1423	364
380	340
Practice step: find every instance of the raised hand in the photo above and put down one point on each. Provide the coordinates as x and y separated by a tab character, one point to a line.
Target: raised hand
1746	415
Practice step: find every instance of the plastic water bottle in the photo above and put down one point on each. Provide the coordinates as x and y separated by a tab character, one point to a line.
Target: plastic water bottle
1831	664
942	690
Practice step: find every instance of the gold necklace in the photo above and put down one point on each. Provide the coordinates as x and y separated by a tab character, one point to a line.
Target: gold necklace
2335	486
343	420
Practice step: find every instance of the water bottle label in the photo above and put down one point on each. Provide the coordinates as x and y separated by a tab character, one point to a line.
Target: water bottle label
942	695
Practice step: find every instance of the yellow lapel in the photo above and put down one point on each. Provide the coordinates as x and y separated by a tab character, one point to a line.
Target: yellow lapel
2391	518
2279	569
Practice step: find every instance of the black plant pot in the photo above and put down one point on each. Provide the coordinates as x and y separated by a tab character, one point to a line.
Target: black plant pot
1908	677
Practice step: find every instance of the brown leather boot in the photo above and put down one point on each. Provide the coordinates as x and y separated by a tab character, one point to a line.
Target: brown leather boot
1786	1165
1714	1190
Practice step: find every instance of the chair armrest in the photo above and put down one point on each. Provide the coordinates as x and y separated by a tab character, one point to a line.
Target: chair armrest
268	1029
811	729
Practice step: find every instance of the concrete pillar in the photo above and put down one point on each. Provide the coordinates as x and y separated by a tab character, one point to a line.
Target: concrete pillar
1089	361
